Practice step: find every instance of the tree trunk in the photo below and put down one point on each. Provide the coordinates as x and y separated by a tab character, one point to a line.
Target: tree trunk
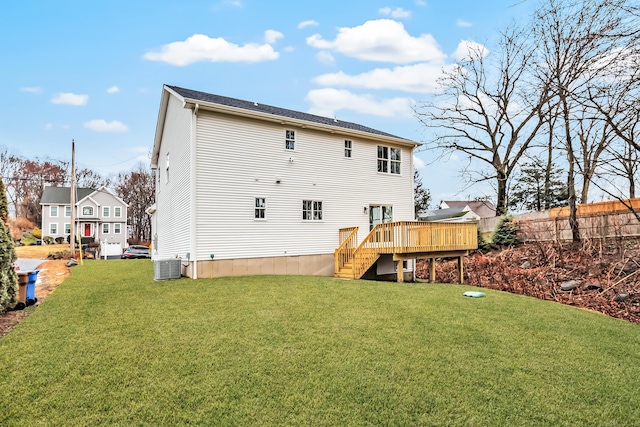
501	206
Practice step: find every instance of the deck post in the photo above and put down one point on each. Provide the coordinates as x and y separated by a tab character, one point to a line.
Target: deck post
461	270
432	270
400	271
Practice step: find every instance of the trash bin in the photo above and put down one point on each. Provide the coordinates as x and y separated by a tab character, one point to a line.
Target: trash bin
23	279
31	288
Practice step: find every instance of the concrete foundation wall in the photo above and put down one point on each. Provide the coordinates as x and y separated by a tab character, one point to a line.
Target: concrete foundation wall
307	265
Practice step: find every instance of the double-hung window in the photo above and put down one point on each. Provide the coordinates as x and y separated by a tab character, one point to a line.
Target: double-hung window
117	212
53	229
260	208
67	211
311	210
290	140
106	211
105	228
348	147
117	228
388	160
53	211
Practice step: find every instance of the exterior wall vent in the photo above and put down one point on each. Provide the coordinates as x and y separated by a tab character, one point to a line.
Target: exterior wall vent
167	269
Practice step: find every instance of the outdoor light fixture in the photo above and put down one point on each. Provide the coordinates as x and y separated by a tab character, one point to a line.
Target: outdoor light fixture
366	208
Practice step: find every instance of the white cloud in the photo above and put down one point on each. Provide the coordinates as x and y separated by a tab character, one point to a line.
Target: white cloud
468	49
67	98
272	36
325	57
289	49
31	89
309	23
464	24
381	40
397	13
113	89
418	78
421	3
104	126
200	47
48	126
418	162
325	102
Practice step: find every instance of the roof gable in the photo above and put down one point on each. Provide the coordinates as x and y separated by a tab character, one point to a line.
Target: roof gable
482	208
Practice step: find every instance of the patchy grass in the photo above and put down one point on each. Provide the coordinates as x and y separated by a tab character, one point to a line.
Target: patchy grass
111	346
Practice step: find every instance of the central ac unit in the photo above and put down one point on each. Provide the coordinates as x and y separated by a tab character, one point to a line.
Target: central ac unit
166	269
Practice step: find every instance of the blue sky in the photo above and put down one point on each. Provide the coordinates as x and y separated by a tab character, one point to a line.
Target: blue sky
93	71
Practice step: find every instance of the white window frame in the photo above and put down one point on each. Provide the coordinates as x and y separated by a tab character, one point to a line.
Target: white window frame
53	208
290	140
67	211
106	211
117	228
389	160
53	229
260	208
167	170
105	228
312	210
88	207
348	149
67	226
117	212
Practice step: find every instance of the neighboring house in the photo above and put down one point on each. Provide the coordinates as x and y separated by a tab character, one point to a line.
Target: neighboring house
482	208
246	188
458	214
100	215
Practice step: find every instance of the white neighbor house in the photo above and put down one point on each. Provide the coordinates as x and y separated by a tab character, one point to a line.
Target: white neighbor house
245	188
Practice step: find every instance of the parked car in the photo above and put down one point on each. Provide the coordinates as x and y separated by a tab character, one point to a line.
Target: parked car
136	251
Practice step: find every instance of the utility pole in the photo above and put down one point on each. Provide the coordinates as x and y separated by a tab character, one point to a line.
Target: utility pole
72	236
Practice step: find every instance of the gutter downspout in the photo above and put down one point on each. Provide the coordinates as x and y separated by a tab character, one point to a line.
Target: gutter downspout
193	140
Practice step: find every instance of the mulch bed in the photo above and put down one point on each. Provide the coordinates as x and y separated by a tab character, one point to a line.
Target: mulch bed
591	275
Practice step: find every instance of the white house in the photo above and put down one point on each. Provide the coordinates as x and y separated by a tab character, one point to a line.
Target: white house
246	188
100	215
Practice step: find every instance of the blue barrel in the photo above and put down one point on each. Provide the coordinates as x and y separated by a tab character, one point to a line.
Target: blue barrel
31	287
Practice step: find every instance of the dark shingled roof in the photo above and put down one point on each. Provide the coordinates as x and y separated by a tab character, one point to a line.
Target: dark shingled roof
62	195
276	111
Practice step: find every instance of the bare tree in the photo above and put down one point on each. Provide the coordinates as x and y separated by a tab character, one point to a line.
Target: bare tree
137	189
488	110
575	40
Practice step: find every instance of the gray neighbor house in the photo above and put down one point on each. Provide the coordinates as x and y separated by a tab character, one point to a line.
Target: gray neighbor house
100	215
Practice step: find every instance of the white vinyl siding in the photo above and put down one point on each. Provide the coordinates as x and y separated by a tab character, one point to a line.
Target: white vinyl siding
227	179
173	198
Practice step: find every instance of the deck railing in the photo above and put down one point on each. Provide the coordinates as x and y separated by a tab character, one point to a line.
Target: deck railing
407	237
348	243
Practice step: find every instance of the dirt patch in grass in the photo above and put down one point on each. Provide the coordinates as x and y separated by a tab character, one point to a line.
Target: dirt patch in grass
52	273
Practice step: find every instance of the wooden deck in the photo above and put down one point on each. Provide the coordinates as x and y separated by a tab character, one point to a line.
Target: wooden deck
404	240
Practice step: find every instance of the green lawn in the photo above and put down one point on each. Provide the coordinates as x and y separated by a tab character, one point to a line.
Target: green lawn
112	347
